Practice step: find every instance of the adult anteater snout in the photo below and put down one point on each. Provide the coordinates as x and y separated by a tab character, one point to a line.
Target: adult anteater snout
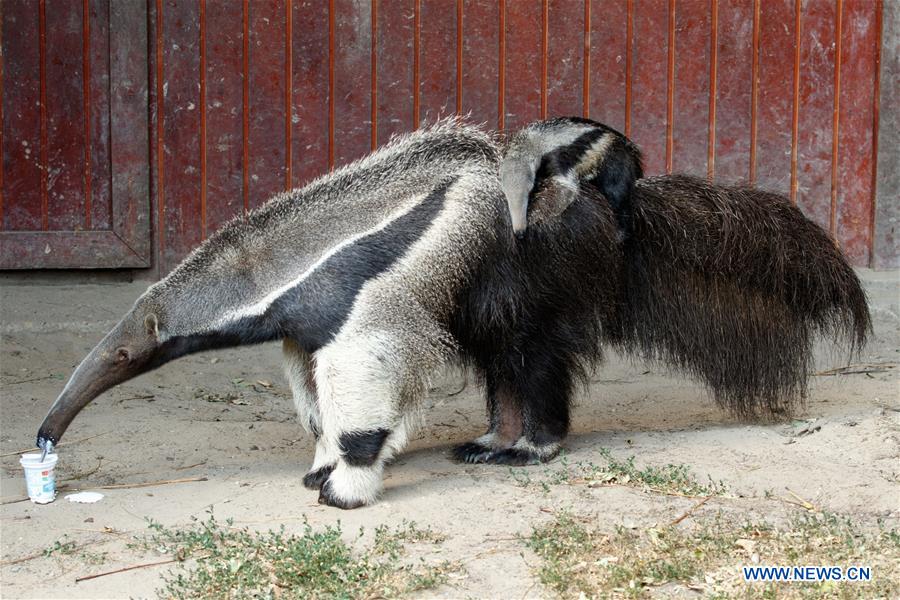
126	351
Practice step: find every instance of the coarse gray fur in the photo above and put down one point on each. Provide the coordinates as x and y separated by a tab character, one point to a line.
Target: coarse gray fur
374	361
254	256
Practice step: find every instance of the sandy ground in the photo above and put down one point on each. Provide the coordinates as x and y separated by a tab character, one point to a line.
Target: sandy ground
253	455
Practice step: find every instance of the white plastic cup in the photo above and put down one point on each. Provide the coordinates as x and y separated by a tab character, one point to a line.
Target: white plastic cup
40	477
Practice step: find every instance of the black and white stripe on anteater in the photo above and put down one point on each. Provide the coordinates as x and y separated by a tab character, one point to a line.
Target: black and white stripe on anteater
378	273
569	153
359	272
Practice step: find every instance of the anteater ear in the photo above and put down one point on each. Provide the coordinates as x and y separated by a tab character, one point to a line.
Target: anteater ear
151	324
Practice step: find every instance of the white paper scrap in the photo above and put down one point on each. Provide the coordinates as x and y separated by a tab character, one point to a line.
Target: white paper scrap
85	497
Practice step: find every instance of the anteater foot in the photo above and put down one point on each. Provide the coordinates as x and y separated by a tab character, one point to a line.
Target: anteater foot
514	457
472	453
351	487
314	479
328	497
522	453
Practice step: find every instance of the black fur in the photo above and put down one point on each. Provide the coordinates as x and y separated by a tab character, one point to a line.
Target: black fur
475	453
731	285
727	284
472	453
315	479
361	448
532	321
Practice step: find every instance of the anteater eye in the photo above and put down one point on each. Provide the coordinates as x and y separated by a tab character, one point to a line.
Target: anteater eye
122	355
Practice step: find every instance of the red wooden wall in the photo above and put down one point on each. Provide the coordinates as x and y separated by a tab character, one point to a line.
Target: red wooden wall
249	97
75	166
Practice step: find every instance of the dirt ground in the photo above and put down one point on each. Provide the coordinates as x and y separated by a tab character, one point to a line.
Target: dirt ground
208	417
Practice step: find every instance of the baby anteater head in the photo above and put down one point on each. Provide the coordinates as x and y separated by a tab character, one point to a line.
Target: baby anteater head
573	153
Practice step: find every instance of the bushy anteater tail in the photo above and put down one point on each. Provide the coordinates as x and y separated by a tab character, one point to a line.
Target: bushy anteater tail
732	285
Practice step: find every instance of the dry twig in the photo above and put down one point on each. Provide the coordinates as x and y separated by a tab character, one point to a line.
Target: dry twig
801	502
123	569
141	397
33	449
121	486
202	462
857	369
28	380
16	561
689	512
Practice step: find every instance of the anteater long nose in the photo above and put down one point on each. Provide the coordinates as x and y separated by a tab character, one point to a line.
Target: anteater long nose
98	372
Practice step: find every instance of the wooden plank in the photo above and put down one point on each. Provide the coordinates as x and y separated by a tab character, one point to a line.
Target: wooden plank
776	92
66	250
21	116
565	66
100	152
154	47
690	139
65	115
734	90
180	195
352	80
886	246
224	112
855	159
437	61
814	133
309	138
267	92
481	61
129	132
608	50
522	94
609	25
128	245
649	87
395	61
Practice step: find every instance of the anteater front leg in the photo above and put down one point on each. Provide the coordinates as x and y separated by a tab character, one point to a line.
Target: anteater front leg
358	387
299	368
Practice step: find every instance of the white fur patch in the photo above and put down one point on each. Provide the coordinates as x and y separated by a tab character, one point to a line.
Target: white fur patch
356	484
490	440
545	451
326	454
356	391
296	369
593	157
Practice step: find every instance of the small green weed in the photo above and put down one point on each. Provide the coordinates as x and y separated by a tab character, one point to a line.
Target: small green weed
391	541
577	559
61	547
670	478
223	561
65	548
666	479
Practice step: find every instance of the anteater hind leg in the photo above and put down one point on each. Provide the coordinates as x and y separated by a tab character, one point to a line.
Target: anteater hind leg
361	418
505	427
299	367
539	380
